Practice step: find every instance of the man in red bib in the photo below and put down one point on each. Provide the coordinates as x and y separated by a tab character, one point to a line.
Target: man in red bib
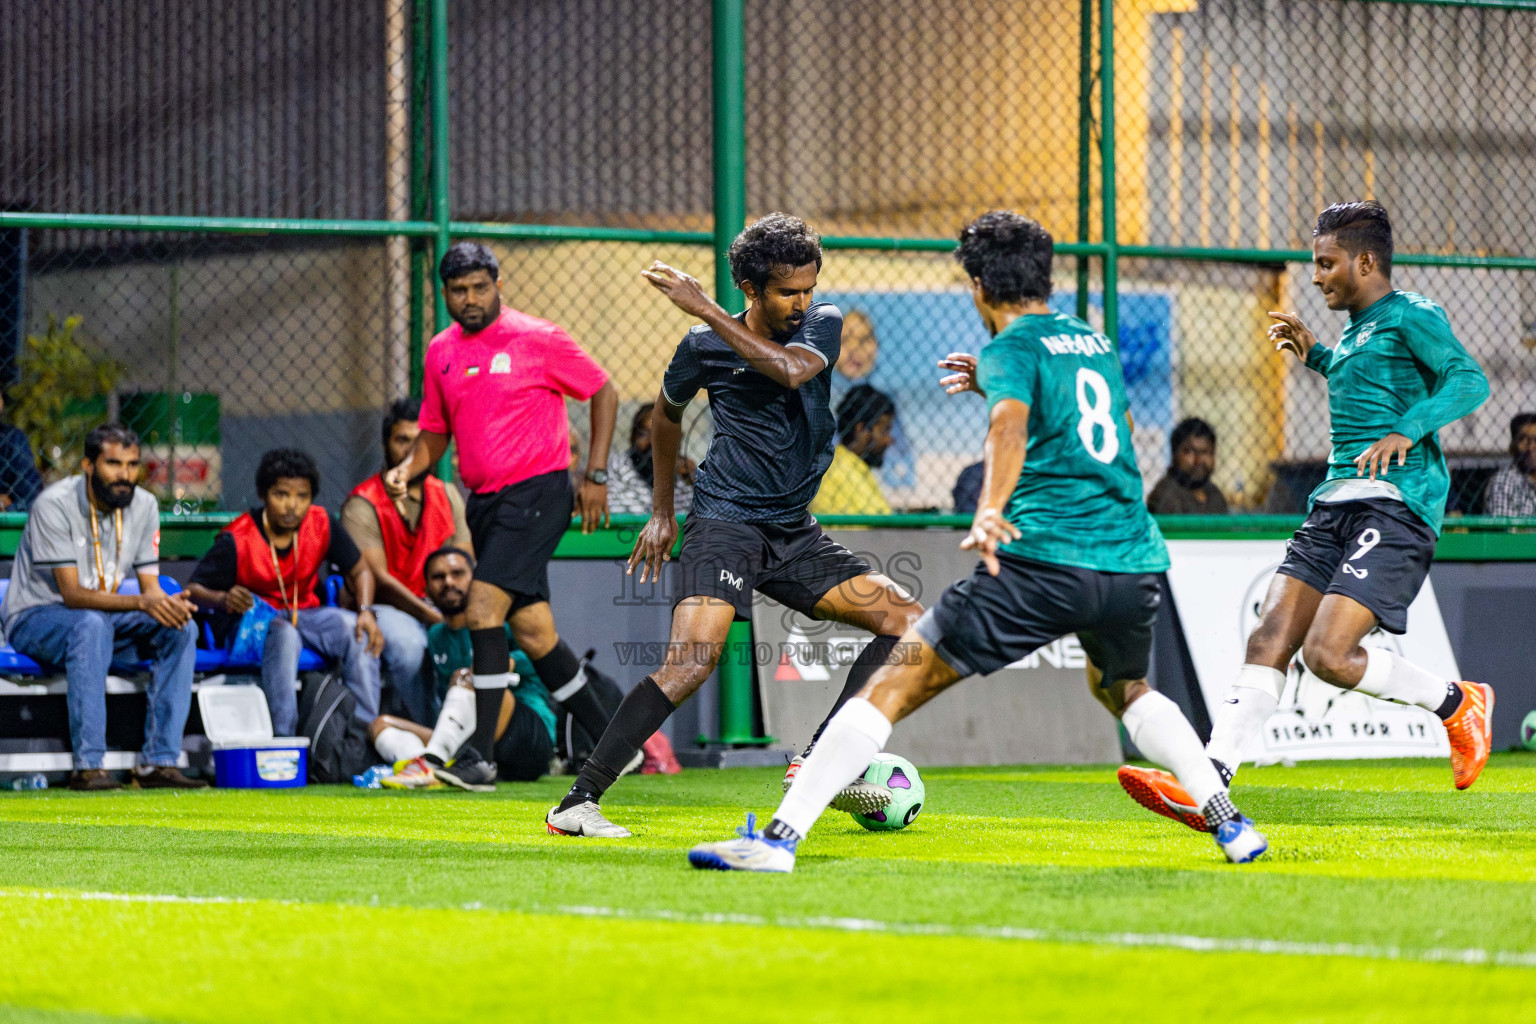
395	536
276	553
497	381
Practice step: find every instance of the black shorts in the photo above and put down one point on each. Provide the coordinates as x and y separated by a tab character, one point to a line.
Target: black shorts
525	749
1374	552
793	564
515	531
985	622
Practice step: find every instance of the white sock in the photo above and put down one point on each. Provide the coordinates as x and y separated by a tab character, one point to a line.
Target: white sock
398	745
1392	678
1165	737
856	734
454	725
1241	715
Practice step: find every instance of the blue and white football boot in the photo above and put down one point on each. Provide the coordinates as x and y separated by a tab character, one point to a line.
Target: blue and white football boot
1240	841
751	851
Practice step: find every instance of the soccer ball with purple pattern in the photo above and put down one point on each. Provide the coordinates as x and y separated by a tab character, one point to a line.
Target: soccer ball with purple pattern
907	794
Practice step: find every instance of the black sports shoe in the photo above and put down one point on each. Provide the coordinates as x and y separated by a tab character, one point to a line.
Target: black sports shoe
469	771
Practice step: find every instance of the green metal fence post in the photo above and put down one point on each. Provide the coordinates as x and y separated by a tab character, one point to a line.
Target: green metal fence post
1107	167
737	687
420	63
1084	149
441	211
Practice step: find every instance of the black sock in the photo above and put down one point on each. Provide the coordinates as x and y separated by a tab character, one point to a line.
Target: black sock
870	658
1218	810
778	830
1452	701
644	709
566	680
492	657
1225	772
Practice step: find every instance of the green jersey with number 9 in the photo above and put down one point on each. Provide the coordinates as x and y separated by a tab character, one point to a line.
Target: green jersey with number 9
1079	499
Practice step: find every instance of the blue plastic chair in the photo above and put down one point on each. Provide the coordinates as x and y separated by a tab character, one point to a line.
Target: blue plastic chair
12	661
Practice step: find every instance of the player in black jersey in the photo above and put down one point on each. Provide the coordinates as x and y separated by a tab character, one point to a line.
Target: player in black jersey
768	374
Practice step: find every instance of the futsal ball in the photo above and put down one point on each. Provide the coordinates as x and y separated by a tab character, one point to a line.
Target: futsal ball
899	776
1528	731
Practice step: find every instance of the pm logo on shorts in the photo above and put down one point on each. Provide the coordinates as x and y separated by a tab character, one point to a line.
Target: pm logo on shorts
726	576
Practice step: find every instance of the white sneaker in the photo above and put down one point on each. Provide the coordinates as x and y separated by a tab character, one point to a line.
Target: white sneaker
858	797
584	819
1240	841
750	852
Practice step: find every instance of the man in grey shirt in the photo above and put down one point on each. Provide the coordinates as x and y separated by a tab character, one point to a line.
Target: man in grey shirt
84	534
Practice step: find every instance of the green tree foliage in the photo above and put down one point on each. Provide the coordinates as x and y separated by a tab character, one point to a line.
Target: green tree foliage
61	394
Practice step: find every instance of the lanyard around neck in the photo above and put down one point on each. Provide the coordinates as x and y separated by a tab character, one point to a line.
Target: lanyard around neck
292	608
117	529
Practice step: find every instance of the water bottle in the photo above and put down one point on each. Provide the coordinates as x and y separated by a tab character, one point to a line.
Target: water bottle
37	780
370	779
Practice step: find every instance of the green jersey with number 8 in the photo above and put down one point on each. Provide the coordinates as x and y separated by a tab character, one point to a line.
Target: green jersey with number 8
1079	500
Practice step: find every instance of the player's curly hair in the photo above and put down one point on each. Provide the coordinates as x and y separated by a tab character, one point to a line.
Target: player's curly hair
771	244
286	463
1359	227
1009	254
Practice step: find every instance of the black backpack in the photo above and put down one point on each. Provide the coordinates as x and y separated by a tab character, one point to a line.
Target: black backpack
338	741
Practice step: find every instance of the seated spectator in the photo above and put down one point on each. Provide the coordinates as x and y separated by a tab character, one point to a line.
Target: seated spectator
83	535
276	553
1512	491
864	421
1186	489
632	478
395	537
19	479
525	730
967	489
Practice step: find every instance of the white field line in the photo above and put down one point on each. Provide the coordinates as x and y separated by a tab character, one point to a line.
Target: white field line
1157	940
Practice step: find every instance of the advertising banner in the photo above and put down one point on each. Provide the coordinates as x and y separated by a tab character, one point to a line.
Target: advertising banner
1219	587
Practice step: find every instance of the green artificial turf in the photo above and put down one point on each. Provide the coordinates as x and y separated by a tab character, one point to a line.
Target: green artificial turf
1019	894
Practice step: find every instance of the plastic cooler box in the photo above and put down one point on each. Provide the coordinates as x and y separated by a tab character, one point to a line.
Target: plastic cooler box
245	753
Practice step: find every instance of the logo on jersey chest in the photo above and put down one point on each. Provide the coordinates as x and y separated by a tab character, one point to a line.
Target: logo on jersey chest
502	363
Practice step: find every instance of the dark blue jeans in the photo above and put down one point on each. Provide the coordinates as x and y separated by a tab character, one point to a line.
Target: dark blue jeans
87	644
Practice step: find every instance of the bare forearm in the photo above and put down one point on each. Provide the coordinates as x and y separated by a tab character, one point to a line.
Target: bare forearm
666	442
203	597
1004	463
362	582
787	367
100	601
605	409
429	447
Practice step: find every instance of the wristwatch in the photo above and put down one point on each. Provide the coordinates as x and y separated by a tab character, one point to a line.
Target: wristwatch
598	476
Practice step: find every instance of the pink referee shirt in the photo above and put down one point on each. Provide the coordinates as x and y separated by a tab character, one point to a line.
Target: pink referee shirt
501	394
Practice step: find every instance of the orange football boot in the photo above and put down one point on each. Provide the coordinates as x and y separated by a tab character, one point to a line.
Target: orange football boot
1159	792
1470	731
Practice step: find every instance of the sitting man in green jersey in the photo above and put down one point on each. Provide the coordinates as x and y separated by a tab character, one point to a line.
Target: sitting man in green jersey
525	729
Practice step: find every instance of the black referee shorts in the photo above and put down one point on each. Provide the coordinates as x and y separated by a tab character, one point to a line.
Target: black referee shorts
515	531
986	622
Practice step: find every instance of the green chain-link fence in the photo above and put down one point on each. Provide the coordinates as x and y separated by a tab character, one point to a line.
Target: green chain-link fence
241	203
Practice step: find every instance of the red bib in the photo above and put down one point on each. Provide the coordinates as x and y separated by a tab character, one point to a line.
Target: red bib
254	570
406	551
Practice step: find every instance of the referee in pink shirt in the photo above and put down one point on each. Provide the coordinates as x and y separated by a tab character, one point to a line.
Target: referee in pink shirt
497	381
